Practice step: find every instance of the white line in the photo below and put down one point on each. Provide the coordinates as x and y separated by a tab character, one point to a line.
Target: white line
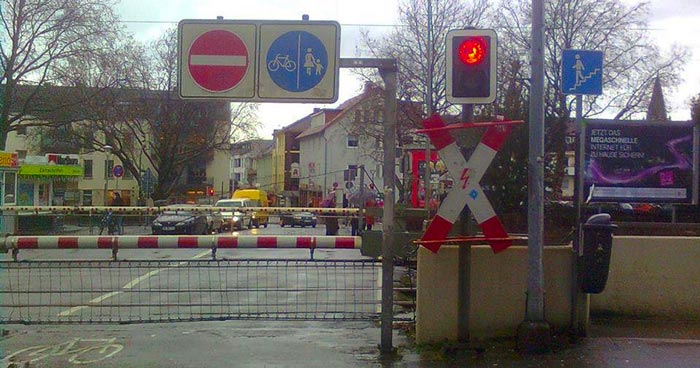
103	297
219	60
70	311
139	279
129	285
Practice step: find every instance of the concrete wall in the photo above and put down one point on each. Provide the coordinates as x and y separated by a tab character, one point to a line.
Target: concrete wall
652	277
498	291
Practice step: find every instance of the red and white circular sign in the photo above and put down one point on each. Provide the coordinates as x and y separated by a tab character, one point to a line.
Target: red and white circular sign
218	60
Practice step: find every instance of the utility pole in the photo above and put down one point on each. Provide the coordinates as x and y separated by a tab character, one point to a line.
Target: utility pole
429	109
534	332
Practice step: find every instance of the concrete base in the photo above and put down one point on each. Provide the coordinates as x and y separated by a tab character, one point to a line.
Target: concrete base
534	337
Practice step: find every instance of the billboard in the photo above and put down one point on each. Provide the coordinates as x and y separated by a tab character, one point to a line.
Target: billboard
640	161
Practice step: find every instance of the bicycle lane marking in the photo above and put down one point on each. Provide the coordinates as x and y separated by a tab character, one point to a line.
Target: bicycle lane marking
68	348
128	285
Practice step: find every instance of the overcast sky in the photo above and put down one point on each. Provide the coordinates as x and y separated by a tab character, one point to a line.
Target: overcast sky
673	21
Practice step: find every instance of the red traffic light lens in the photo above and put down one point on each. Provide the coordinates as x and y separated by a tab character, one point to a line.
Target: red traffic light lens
472	50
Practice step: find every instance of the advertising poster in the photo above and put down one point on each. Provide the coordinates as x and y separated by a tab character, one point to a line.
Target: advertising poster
639	161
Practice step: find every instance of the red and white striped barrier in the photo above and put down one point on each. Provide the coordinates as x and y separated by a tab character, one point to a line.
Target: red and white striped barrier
184	241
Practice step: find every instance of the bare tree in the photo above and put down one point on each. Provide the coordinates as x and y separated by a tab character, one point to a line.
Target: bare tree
415	53
632	60
149	126
39	39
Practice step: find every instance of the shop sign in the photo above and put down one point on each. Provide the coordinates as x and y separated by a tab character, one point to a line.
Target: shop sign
62	159
51	170
8	159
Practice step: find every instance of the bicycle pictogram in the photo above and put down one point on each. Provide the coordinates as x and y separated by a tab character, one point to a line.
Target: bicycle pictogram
91	351
282	61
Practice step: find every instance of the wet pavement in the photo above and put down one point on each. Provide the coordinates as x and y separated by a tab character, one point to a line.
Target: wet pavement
334	344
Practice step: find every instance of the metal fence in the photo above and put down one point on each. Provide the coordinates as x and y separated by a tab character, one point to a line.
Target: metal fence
188	290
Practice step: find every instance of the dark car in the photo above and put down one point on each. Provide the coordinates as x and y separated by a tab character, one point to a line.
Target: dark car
302	219
180	222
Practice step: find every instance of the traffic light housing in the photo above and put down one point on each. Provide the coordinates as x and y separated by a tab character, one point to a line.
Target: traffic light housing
471	66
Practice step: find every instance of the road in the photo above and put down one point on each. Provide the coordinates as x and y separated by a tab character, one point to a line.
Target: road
163	283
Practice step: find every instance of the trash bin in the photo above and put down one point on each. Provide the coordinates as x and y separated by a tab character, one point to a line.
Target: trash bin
594	263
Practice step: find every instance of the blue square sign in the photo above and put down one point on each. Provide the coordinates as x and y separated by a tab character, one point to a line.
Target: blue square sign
582	72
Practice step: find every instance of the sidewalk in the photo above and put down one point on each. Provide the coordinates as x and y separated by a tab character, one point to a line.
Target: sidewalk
332	344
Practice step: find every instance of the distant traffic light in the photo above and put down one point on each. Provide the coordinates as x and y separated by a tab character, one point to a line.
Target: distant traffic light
471	66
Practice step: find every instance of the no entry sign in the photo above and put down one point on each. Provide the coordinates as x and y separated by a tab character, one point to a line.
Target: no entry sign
218	60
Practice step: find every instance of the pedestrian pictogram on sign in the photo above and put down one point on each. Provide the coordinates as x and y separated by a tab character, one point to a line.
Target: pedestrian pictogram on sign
582	72
468	192
218	60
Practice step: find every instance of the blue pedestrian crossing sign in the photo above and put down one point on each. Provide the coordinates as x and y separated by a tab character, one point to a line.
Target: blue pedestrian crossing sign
582	72
299	63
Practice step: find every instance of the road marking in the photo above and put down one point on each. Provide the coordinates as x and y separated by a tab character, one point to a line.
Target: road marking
129	285
103	297
141	278
72	310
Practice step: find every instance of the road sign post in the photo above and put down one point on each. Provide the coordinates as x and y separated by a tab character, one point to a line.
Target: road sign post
582	74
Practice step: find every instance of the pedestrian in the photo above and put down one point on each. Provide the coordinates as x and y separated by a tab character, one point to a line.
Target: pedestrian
332	221
369	217
355	226
118	202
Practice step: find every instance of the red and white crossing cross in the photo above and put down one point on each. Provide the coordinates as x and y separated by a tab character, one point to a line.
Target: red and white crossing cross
218	60
467	189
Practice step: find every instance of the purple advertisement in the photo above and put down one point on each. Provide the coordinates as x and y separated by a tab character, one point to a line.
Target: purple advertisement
639	161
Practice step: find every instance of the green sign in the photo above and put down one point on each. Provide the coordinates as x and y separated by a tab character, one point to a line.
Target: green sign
50	170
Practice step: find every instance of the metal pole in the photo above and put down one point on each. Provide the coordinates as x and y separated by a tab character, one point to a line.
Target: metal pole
429	107
534	333
389	76
580	301
361	220
464	260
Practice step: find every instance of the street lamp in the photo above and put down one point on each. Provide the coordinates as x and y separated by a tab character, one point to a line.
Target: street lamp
108	151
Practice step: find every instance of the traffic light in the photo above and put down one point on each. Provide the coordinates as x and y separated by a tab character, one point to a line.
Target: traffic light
471	66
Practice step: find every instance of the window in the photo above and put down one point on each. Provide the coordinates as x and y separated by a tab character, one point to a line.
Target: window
109	164
87	169
236	162
87	197
9	189
352	140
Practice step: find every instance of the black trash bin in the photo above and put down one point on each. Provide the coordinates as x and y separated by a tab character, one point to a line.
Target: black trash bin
594	263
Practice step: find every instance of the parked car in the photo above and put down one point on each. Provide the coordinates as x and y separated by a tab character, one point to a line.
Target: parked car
234	219
302	219
180	222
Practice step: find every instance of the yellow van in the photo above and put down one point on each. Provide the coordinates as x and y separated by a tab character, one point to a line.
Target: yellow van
256	198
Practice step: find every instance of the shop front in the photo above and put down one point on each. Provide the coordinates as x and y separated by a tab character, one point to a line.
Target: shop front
46	181
9	165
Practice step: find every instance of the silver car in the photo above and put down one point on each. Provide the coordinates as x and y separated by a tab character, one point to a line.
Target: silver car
233	219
